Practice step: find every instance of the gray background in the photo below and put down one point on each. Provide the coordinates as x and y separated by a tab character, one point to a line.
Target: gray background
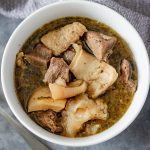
136	137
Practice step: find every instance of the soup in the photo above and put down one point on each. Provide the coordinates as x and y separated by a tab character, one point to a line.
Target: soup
75	76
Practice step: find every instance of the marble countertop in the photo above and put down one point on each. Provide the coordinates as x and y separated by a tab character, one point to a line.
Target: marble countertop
135	137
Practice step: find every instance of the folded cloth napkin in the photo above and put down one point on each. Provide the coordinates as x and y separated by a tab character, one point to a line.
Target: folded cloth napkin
136	11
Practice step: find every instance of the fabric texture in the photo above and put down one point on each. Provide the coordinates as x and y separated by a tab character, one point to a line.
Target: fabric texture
136	11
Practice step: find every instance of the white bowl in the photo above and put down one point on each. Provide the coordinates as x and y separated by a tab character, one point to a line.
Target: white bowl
90	10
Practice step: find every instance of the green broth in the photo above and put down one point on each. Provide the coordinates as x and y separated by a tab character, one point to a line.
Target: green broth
117	98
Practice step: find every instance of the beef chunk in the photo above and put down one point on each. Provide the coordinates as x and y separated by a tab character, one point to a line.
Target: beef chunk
43	51
60	40
68	56
40	56
36	60
125	77
100	44
48	120
58	68
125	70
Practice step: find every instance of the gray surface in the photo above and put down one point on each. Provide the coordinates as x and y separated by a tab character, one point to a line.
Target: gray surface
136	137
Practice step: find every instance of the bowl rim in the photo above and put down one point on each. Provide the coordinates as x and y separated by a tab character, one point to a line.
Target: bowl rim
85	141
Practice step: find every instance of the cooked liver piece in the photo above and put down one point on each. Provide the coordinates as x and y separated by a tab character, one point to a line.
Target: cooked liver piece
47	119
100	44
58	68
60	40
68	56
125	76
39	56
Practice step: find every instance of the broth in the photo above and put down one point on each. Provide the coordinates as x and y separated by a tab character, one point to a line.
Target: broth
117	97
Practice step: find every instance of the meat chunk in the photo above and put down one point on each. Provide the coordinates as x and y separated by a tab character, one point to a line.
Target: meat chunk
36	60
41	100
20	60
58	68
100	44
79	110
99	75
126	72
48	120
68	56
91	128
43	51
60	40
40	56
72	89
131	86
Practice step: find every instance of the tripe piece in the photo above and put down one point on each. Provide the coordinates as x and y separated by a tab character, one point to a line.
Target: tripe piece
73	89
79	110
99	75
41	100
